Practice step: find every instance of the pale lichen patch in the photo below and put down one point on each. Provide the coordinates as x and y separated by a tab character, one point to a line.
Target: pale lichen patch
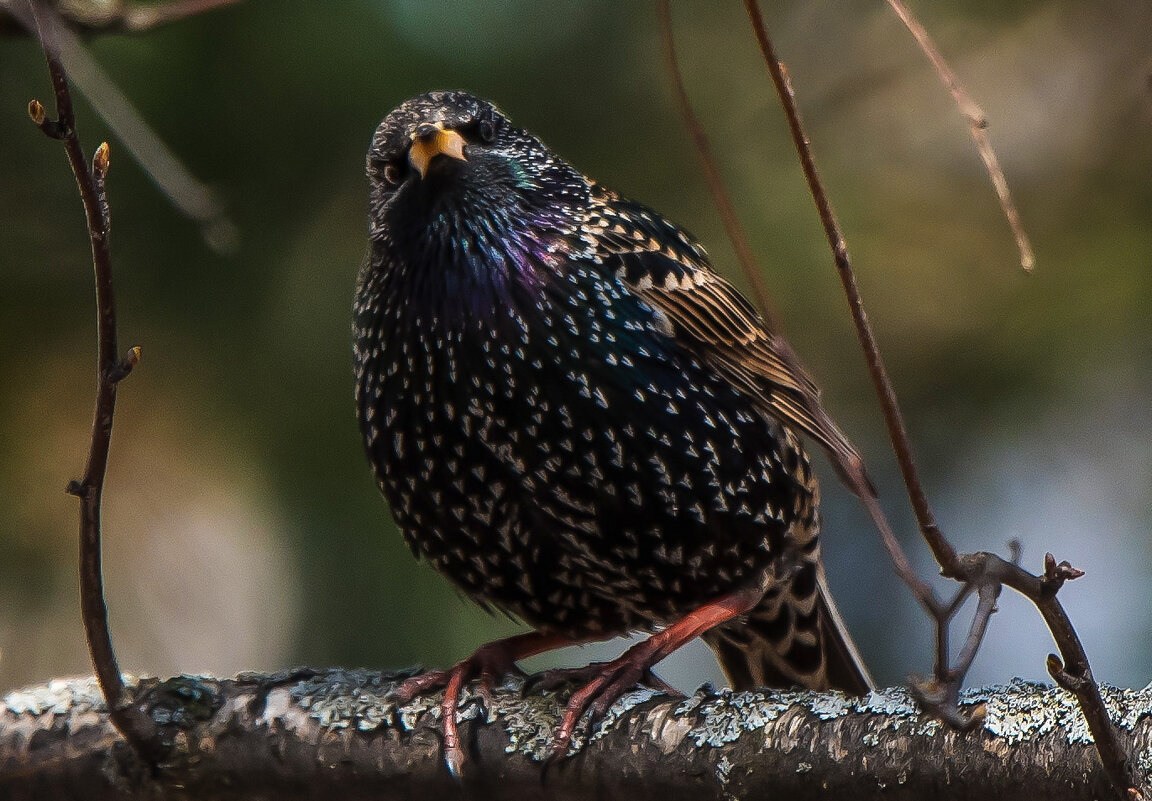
723	768
623	705
356	699
57	697
1027	710
893	701
827	706
729	715
1024	710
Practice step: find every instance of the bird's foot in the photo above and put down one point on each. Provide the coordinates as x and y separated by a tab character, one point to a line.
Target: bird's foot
602	684
491	664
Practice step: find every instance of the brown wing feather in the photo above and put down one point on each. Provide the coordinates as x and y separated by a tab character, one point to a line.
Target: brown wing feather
711	318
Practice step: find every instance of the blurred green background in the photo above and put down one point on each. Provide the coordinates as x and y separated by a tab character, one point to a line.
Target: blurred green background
243	529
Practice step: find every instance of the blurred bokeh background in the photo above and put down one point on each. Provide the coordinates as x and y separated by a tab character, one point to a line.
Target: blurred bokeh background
243	529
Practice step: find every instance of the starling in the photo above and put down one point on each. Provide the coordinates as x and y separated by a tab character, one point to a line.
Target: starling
579	423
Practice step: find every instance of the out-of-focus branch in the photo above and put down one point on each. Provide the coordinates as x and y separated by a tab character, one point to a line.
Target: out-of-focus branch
334	734
977	126
720	197
190	196
136	726
116	16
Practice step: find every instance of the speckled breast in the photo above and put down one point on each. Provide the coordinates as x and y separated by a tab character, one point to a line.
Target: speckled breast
564	461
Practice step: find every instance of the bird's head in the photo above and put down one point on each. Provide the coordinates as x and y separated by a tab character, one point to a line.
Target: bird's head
449	169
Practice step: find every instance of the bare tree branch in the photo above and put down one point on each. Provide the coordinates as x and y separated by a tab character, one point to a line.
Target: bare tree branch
984	572
977	126
333	734
854	474
110	369
944	552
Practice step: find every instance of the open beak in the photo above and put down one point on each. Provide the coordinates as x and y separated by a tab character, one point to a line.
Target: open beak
431	140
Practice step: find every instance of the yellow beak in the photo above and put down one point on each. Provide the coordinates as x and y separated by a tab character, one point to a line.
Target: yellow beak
432	142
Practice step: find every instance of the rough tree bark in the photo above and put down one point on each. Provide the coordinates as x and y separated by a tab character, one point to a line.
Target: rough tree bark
333	734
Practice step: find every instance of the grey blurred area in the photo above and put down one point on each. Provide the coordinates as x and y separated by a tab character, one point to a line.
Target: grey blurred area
243	529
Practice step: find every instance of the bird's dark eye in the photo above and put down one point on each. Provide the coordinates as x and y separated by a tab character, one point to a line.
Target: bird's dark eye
394	173
486	131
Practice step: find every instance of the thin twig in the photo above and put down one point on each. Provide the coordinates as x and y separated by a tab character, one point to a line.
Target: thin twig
977	126
850	467
988	594
984	571
920	589
1112	754
716	186
138	729
847	461
943	551
853	472
1074	673
944	702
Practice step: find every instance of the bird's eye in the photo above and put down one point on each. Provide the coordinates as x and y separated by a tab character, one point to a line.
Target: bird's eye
394	173
486	131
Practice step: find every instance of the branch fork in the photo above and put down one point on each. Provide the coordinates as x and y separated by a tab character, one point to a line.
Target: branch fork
982	573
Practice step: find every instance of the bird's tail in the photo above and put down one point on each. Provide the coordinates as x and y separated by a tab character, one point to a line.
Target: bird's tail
793	637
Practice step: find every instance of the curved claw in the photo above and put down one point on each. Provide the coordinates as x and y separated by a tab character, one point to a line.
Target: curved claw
607	683
459	675
489	664
451	680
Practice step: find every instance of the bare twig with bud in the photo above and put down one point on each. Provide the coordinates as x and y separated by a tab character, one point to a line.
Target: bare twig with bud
138	729
982	573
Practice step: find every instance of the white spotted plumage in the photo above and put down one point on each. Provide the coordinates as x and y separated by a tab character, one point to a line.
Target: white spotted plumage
568	452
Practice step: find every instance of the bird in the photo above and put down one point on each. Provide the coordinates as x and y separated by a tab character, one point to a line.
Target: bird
579	423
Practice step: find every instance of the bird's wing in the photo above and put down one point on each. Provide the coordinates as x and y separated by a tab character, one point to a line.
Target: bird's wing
662	264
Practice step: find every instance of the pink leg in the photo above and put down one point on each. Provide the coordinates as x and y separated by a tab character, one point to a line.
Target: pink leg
613	679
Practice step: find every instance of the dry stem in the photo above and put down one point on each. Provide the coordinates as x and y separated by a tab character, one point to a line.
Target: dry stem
983	572
977	126
137	728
